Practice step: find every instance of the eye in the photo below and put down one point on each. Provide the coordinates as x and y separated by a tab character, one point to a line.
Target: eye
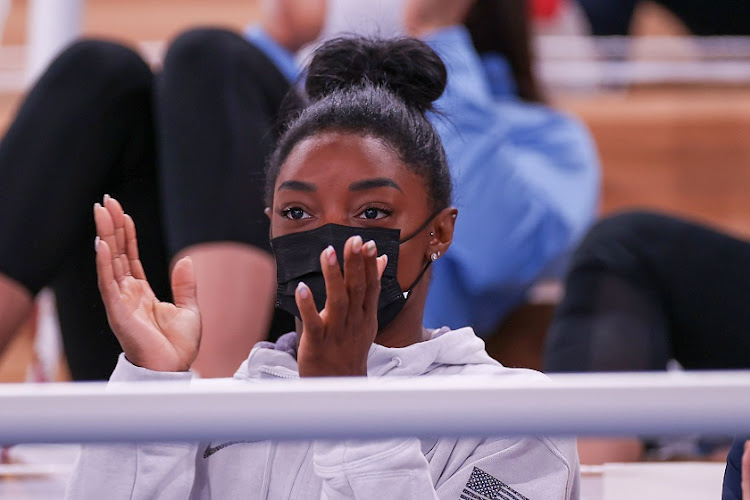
374	213
295	213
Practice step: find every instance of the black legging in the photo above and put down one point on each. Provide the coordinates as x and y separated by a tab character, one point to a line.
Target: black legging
644	288
702	17
183	151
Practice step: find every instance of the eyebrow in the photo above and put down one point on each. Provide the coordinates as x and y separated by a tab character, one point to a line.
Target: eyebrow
373	183
297	186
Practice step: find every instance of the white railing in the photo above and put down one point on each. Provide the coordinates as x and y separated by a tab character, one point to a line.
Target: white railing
583	62
600	404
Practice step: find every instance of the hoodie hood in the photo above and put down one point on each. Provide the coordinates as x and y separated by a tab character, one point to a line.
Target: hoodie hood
445	348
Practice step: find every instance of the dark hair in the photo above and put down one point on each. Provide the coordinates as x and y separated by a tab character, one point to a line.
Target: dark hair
381	88
503	27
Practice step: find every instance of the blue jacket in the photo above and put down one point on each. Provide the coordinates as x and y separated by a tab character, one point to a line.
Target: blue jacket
526	183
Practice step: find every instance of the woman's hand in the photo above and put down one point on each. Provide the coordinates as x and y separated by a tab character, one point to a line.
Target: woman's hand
336	341
153	334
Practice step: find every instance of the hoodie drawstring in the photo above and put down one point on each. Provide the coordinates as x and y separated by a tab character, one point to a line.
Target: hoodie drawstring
395	362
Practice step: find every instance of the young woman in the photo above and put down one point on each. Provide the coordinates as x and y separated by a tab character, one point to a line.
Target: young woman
359	201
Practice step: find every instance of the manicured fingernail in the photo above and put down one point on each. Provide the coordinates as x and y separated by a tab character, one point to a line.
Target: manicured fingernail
105	199
96	244
303	290
356	244
385	259
330	255
370	248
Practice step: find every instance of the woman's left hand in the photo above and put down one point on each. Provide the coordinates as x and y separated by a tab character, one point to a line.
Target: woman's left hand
336	341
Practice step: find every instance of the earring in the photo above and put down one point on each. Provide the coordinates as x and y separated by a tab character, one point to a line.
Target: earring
432	233
433	257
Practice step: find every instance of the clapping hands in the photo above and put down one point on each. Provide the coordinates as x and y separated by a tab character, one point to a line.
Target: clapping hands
157	335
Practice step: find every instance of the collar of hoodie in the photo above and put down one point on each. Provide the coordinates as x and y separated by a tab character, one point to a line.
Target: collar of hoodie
446	347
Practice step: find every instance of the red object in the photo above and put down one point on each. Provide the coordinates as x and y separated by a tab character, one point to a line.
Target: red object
545	9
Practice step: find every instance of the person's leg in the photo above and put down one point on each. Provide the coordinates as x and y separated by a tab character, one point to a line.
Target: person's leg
609	17
644	288
15	307
612	317
711	17
703	280
218	101
84	129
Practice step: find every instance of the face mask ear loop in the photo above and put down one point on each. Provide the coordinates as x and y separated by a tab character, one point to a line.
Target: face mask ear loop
420	228
407	293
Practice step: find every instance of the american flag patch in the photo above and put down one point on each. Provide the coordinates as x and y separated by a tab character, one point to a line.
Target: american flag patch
482	486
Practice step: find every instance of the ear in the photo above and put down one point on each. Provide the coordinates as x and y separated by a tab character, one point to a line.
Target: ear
442	233
267	211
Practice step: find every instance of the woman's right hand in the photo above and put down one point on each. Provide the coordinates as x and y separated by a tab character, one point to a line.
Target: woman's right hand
156	335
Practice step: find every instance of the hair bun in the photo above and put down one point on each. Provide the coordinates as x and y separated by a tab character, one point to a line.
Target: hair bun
406	66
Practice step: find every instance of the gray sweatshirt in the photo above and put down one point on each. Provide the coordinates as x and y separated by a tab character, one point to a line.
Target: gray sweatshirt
400	468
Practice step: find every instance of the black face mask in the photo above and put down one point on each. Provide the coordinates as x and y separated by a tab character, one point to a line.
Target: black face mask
298	259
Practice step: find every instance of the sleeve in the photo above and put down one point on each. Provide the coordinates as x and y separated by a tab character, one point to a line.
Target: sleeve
526	183
135	470
732	485
364	470
281	57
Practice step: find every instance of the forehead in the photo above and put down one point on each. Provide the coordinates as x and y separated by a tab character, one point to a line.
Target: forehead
344	157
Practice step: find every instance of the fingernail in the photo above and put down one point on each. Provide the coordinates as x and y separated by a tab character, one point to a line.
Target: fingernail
356	244
303	290
105	199
330	255
96	243
370	249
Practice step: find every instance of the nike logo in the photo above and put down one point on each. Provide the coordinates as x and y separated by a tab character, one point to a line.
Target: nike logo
211	450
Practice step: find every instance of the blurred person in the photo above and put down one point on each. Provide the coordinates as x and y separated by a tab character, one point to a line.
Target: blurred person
530	169
182	148
700	17
204	139
358	173
645	288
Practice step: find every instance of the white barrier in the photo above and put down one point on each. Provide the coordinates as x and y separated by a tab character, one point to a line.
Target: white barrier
613	404
52	24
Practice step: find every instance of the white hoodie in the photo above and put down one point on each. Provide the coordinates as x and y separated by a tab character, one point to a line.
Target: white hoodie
399	468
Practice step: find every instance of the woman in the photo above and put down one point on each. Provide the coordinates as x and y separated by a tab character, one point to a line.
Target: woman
360	171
